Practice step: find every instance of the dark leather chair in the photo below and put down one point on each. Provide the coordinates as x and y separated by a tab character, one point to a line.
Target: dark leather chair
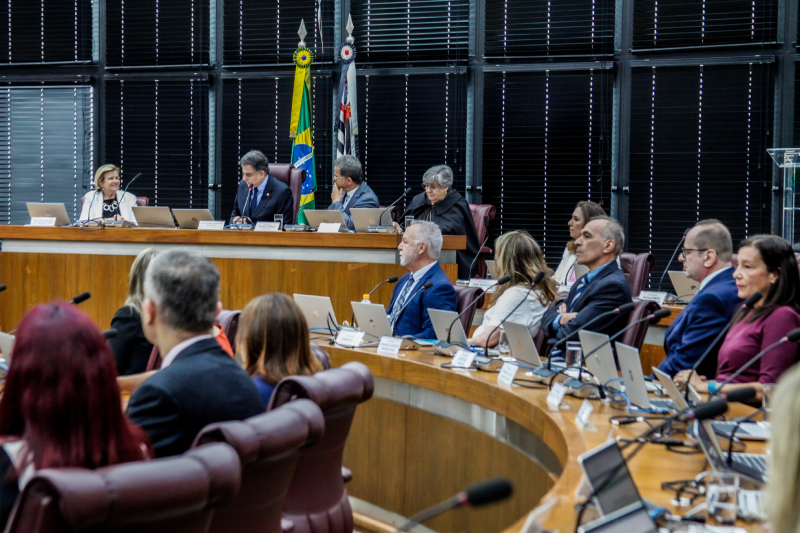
540	341
141	201
317	499
465	295
294	178
637	268
229	320
479	211
321	355
394	212
268	446
174	495
635	336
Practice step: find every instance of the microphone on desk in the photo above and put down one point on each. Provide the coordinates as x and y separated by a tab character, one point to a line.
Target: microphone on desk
393	279
3	287
537	279
483	493
666	269
129	184
393	203
792	336
748	304
426	286
480	249
79	299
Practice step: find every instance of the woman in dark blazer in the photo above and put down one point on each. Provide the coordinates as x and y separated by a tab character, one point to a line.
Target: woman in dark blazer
448	210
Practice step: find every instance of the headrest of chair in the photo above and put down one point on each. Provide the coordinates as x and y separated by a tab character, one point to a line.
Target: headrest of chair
287	428
144	490
280	171
331	389
225	317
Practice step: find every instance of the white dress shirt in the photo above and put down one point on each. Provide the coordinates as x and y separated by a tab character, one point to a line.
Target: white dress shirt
178	348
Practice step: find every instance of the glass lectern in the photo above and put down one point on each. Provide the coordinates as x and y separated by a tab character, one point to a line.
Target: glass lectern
788	159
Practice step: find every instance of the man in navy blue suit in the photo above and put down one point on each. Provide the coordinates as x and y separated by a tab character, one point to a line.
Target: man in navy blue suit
602	289
260	196
419	253
350	190
706	258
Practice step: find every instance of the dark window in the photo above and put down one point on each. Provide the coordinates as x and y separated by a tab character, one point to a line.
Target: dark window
546	146
160	128
699	137
41	31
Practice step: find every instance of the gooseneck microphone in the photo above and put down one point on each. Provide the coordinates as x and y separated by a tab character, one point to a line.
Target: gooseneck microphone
537	279
426	286
501	281
393	279
671	259
129	184
393	203
79	299
480	249
484	493
748	304
3	287
792	336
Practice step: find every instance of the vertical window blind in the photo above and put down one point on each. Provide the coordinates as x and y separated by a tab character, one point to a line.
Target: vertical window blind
660	24
160	128
157	32
698	150
410	123
535	28
41	31
410	30
258	32
256	116
45	148
546	146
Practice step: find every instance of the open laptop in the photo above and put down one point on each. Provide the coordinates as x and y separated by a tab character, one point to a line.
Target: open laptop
191	218
608	475
630	366
441	320
153	217
58	211
363	218
752	466
601	364
685	288
492	269
316	217
672	390
372	320
6	345
318	311
521	343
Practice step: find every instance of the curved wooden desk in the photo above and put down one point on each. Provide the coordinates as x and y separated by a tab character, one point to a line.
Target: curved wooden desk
430	431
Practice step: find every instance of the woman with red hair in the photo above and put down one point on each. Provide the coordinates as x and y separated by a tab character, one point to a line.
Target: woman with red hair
61	403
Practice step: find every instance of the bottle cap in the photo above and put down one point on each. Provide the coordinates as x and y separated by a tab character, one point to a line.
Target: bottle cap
365	297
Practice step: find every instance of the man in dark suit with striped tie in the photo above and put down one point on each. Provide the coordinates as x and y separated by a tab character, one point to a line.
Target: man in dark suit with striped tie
260	196
602	289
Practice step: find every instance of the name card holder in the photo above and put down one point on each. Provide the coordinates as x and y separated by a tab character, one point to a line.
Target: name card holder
268	226
211	225
43	222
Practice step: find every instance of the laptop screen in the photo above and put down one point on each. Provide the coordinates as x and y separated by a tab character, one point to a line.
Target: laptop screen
615	492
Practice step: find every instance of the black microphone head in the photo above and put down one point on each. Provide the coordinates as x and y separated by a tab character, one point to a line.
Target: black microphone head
428	285
752	300
658	315
393	279
110	333
537	279
3	287
81	298
626	308
408	191
740	395
504	279
793	335
489	491
711	409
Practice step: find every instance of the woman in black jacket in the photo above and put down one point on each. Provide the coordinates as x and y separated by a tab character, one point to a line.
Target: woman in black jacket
448	210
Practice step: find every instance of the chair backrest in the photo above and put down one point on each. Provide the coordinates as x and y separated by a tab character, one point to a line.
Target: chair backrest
321	355
539	340
465	295
174	494
637	268
268	447
479	211
394	212
317	500
635	336
293	177
229	320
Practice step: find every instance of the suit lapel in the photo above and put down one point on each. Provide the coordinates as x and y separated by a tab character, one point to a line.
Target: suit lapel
591	287
431	271
265	198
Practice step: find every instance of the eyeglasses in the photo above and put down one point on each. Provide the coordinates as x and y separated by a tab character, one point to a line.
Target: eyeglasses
684	250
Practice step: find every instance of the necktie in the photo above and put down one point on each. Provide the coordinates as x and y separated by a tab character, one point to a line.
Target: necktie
254	199
578	291
344	200
401	300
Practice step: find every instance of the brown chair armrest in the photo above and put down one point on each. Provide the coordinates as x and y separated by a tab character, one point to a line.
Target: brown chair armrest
347	475
287	526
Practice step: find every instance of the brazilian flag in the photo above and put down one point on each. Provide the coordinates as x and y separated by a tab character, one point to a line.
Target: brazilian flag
301	128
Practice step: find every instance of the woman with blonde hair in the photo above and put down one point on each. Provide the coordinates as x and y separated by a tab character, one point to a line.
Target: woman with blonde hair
783	488
273	341
131	348
107	201
517	255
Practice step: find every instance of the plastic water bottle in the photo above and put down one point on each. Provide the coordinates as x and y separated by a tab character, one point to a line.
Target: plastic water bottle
365	299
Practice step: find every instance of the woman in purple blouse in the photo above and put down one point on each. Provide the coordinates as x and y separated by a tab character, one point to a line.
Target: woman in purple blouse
766	264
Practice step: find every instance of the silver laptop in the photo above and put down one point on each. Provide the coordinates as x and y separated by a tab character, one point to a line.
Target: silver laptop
492	269
191	218
521	343
685	288
630	366
153	217
36	209
751	466
363	218
372	320
672	389
318	311
6	346
601	363
441	321
316	217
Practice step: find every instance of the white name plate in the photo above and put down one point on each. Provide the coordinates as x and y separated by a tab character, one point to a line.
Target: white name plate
389	345
556	395
268	226
211	224
349	337
582	420
507	373
463	359
653	296
329	227
43	222
484	284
